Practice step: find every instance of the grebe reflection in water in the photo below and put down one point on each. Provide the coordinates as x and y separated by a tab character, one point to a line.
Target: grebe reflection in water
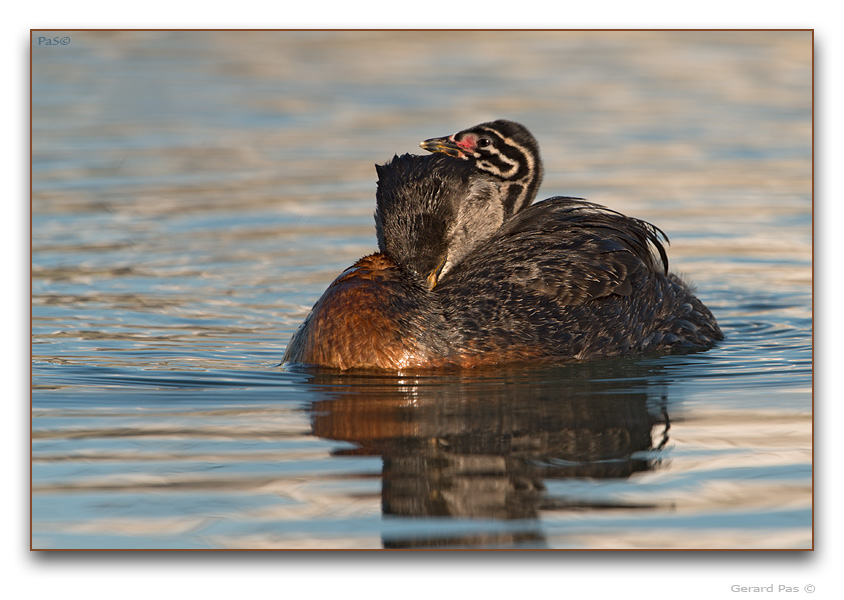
470	273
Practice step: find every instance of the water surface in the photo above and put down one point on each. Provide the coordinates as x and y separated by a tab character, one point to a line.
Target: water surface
195	192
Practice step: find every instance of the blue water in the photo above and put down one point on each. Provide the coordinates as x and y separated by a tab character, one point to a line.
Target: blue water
195	192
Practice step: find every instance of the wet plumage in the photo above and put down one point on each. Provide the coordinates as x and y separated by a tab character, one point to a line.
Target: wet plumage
464	277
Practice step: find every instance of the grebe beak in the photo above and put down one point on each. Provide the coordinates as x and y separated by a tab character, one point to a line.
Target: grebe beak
442	144
434	277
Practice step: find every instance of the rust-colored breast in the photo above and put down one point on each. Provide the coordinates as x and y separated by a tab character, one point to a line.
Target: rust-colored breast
363	320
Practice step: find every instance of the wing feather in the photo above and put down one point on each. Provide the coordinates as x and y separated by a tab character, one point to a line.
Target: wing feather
571	251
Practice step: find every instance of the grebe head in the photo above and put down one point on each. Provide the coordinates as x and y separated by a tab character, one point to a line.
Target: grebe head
503	150
431	211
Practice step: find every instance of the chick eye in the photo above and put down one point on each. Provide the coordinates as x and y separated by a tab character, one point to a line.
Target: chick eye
483	142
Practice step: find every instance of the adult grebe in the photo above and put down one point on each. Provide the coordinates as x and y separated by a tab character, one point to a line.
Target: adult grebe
468	273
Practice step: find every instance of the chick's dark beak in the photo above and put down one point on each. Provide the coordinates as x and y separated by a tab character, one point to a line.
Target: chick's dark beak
442	144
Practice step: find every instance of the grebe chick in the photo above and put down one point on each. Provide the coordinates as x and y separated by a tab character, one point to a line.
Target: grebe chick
503	150
560	280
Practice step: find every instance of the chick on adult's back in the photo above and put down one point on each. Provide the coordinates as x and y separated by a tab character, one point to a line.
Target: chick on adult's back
592	274
460	281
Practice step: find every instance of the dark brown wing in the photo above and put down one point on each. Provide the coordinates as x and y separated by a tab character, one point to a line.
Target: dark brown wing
570	250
